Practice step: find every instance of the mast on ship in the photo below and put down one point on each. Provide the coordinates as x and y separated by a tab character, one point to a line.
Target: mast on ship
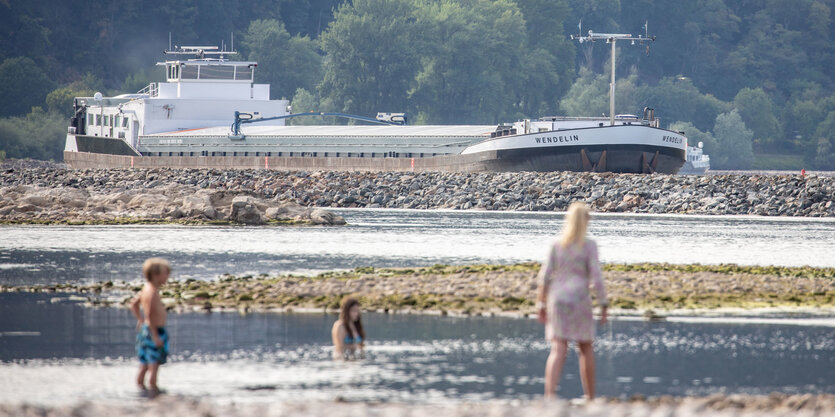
612	38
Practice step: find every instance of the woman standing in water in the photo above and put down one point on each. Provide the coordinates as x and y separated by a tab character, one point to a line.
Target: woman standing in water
347	333
564	302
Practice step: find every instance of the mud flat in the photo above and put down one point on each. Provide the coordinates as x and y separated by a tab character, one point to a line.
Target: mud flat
773	405
767	195
635	289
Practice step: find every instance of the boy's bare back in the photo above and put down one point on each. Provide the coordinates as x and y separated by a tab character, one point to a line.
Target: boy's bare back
151	302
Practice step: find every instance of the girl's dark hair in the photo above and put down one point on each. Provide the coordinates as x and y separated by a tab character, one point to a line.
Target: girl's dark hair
345	314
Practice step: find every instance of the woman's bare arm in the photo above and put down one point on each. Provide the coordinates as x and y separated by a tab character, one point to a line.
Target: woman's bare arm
544	279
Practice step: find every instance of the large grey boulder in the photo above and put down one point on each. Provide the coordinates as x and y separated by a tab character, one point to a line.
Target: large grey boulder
198	205
324	217
286	211
245	211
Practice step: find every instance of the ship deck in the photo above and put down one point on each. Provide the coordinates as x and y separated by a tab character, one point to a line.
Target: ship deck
340	131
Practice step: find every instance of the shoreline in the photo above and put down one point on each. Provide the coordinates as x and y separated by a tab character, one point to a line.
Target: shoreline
774	404
61	195
649	291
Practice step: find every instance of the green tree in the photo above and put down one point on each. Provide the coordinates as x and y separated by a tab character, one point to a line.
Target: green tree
547	64
757	111
589	95
823	156
37	135
734	142
372	55
285	62
24	85
304	102
471	69
141	78
60	100
676	98
695	136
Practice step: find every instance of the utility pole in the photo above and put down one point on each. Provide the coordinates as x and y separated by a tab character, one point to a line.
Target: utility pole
612	38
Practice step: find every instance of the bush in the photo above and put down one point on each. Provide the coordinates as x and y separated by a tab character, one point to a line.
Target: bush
38	135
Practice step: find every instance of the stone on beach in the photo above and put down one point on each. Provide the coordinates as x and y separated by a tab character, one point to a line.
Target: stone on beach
724	405
767	195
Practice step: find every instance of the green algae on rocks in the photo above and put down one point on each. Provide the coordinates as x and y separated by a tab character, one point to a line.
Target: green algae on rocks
487	289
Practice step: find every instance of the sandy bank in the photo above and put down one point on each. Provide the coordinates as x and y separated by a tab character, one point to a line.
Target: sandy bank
717	405
488	289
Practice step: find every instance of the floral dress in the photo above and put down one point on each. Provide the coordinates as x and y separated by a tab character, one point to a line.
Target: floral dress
568	272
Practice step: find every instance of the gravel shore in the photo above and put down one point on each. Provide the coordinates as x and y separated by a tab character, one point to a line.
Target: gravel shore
648	289
773	405
95	194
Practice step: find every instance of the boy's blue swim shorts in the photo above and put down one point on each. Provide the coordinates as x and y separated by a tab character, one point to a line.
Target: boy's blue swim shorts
147	351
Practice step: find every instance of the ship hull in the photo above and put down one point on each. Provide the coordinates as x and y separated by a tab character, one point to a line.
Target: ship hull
619	149
619	159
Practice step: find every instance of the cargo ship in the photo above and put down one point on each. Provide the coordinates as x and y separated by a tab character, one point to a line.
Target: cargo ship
209	113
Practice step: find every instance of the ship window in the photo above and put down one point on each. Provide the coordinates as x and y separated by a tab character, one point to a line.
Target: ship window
243	73
279	154
124	122
89	120
189	72
217	72
118	121
326	154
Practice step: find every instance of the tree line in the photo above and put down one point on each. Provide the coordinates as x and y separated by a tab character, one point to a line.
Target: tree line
751	80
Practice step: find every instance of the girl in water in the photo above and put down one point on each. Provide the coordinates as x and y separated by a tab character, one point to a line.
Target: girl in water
347	333
564	302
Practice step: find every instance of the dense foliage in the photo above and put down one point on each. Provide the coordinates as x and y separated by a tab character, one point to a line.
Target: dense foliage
741	76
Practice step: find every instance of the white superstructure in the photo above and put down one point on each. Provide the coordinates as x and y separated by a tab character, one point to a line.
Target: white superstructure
198	93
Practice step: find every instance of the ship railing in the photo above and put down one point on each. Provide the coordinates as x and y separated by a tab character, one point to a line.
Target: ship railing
151	90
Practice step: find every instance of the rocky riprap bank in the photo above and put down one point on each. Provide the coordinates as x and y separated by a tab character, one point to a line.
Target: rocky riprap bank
552	191
40	204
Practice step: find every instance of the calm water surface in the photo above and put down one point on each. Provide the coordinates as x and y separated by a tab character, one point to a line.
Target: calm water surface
402	238
58	352
53	350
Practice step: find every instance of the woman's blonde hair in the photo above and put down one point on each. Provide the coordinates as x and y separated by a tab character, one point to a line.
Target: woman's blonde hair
576	224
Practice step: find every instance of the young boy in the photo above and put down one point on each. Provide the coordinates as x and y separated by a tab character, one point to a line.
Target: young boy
152	339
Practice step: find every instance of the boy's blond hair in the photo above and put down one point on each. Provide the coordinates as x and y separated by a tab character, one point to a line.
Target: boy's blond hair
153	266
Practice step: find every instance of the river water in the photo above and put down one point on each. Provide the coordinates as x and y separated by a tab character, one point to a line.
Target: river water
401	238
53	350
61	352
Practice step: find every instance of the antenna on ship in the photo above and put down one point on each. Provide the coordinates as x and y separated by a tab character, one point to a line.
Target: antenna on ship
612	38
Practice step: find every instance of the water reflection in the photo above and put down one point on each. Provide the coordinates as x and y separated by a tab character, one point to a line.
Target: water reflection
400	238
410	358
